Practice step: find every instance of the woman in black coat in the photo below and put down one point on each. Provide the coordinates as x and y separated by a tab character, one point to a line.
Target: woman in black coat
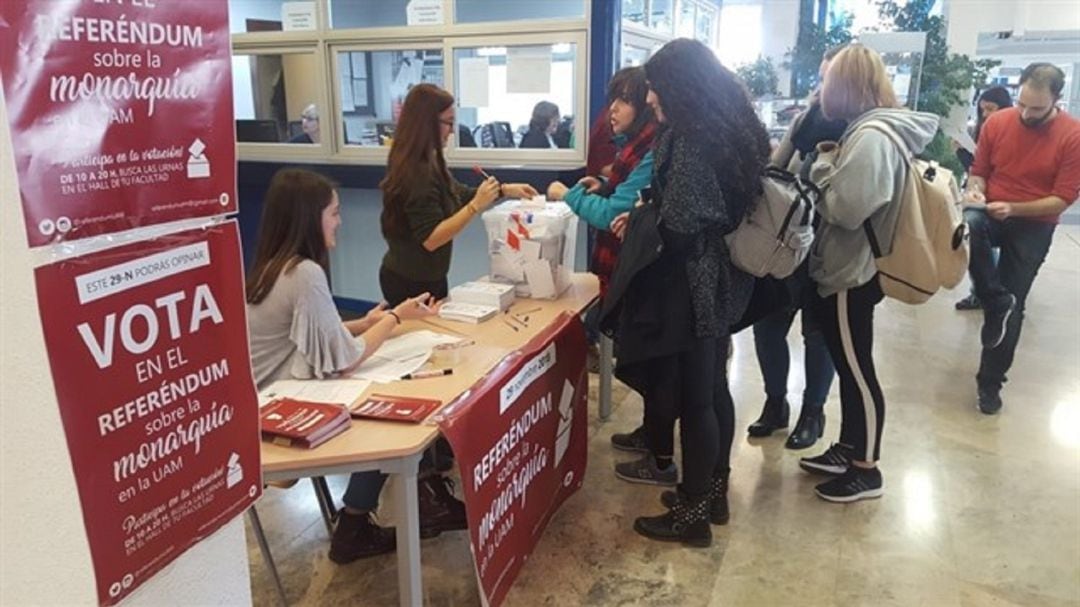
675	308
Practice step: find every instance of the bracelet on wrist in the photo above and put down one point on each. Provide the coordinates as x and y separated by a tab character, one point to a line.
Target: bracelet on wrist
395	315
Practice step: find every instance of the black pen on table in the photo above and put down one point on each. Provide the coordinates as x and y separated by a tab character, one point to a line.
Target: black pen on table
426	374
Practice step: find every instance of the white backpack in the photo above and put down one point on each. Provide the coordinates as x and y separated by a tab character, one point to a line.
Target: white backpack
776	234
930	245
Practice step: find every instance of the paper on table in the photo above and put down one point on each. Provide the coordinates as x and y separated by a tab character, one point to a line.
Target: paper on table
528	69
384	371
541	282
473	82
412	344
335	391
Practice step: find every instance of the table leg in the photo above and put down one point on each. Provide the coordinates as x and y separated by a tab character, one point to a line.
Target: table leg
410	585
607	355
268	558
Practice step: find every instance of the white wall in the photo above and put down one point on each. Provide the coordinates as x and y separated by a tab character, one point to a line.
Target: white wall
967	18
44	555
779	32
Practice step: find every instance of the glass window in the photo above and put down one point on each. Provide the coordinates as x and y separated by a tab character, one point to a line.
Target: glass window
255	16
275	98
705	19
368	13
634	11
634	56
662	16
483	11
517	96
372	86
686	20
740	34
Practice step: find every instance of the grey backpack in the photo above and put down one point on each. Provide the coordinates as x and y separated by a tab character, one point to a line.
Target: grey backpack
775	235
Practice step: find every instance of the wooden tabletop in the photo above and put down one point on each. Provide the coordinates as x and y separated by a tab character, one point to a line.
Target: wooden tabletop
370	440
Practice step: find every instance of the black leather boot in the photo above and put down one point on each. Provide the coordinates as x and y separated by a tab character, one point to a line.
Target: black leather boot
808	429
687	521
774	416
718	503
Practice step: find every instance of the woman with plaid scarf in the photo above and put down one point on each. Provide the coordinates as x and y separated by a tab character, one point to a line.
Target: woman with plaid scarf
598	200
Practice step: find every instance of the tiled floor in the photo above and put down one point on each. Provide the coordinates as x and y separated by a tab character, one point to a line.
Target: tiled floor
977	511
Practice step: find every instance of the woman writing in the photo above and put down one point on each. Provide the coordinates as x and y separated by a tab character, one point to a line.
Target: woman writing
424	207
296	333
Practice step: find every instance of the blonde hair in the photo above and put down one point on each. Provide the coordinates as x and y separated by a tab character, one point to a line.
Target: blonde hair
856	82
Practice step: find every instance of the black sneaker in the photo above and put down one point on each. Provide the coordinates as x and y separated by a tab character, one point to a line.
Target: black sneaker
634	441
646	472
971	302
989	399
854	485
996	322
836	460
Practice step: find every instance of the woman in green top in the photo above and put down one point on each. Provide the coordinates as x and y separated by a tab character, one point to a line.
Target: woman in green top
424	207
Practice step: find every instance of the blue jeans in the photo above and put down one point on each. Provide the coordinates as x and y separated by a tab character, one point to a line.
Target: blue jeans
363	490
1024	245
770	343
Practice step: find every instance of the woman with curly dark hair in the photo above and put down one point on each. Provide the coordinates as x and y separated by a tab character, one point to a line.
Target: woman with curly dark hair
675	312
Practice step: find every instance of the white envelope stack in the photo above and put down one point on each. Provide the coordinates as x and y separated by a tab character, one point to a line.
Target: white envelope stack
532	245
499	295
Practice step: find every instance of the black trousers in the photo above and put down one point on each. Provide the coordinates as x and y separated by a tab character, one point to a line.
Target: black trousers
847	321
693	387
1024	245
396	288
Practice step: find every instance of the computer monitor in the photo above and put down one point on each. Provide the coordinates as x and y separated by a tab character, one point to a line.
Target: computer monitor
257	131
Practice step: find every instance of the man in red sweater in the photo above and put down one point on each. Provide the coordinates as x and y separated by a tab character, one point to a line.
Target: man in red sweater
1026	173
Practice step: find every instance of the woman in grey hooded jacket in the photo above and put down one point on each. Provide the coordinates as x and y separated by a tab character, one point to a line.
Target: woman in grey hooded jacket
863	181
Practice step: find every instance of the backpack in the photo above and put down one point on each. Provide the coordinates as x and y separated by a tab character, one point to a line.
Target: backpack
930	245
775	235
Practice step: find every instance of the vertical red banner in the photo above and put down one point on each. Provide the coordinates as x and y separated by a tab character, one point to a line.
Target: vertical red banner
521	441
148	349
121	113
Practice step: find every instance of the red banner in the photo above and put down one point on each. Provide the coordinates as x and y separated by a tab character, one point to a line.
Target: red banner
149	355
121	113
520	439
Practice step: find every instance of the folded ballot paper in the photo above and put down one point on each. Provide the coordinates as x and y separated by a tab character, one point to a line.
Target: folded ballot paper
532	243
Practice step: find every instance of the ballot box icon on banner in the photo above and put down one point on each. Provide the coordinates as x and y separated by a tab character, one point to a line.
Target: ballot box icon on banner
235	472
566	419
198	167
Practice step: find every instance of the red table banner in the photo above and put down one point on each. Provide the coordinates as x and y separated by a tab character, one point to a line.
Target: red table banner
521	440
121	113
148	349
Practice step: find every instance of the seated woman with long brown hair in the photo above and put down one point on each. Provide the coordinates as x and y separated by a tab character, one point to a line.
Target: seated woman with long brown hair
296	333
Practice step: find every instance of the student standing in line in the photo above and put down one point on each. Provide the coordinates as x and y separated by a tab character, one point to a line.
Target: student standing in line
770	333
598	201
673	328
991	100
424	207
296	333
1026	173
863	184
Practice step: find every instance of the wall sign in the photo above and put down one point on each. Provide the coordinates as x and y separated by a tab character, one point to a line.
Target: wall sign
121	113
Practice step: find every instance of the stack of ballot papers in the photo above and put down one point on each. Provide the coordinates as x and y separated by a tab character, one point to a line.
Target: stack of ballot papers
402	355
532	246
493	294
333	391
467	312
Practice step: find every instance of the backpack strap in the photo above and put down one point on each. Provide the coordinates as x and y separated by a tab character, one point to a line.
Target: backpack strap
905	153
